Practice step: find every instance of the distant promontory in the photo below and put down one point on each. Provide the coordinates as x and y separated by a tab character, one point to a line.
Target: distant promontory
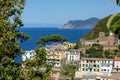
80	24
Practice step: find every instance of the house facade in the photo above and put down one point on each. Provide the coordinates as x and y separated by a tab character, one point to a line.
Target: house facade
95	66
106	66
116	65
28	55
56	58
73	56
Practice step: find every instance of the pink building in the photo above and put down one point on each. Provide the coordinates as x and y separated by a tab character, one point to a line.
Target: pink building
116	65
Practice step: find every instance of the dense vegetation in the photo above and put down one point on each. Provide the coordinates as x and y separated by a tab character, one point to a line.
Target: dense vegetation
68	71
96	51
100	27
10	37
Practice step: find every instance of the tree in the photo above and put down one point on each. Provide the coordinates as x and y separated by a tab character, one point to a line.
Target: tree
10	37
114	21
37	69
50	39
96	51
69	71
117	2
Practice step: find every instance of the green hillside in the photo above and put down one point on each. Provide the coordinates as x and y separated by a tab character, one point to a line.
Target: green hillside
100	27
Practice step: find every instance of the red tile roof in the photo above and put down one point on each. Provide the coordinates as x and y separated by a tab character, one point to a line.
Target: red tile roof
117	58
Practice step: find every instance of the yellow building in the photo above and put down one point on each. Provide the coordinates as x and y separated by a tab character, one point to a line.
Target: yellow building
56	57
69	45
90	66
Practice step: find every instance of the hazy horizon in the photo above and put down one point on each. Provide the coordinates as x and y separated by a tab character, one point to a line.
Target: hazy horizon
56	13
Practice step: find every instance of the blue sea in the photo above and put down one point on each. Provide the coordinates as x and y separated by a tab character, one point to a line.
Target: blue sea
72	34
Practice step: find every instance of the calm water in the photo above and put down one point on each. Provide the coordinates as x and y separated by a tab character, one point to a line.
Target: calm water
72	34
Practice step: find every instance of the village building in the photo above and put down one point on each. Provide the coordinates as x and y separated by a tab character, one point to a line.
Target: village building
116	65
56	56
28	55
69	45
94	66
73	56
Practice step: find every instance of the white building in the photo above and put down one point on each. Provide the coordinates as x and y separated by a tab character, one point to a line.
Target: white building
106	66
28	55
73	56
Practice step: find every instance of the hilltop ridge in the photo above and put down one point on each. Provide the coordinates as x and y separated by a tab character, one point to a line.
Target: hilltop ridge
82	24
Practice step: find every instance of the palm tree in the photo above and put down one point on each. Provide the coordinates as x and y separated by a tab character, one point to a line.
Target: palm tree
114	22
118	2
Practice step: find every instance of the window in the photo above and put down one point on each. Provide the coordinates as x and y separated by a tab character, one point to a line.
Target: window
97	70
108	65
94	70
98	66
83	69
30	57
86	69
94	65
86	65
72	56
104	69
87	61
83	65
30	53
91	61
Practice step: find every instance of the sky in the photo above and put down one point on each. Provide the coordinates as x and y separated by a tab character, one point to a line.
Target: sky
57	12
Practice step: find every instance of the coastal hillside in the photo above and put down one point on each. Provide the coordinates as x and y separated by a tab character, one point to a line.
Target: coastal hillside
100	27
81	24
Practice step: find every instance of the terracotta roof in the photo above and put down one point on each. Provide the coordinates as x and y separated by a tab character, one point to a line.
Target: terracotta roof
117	58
